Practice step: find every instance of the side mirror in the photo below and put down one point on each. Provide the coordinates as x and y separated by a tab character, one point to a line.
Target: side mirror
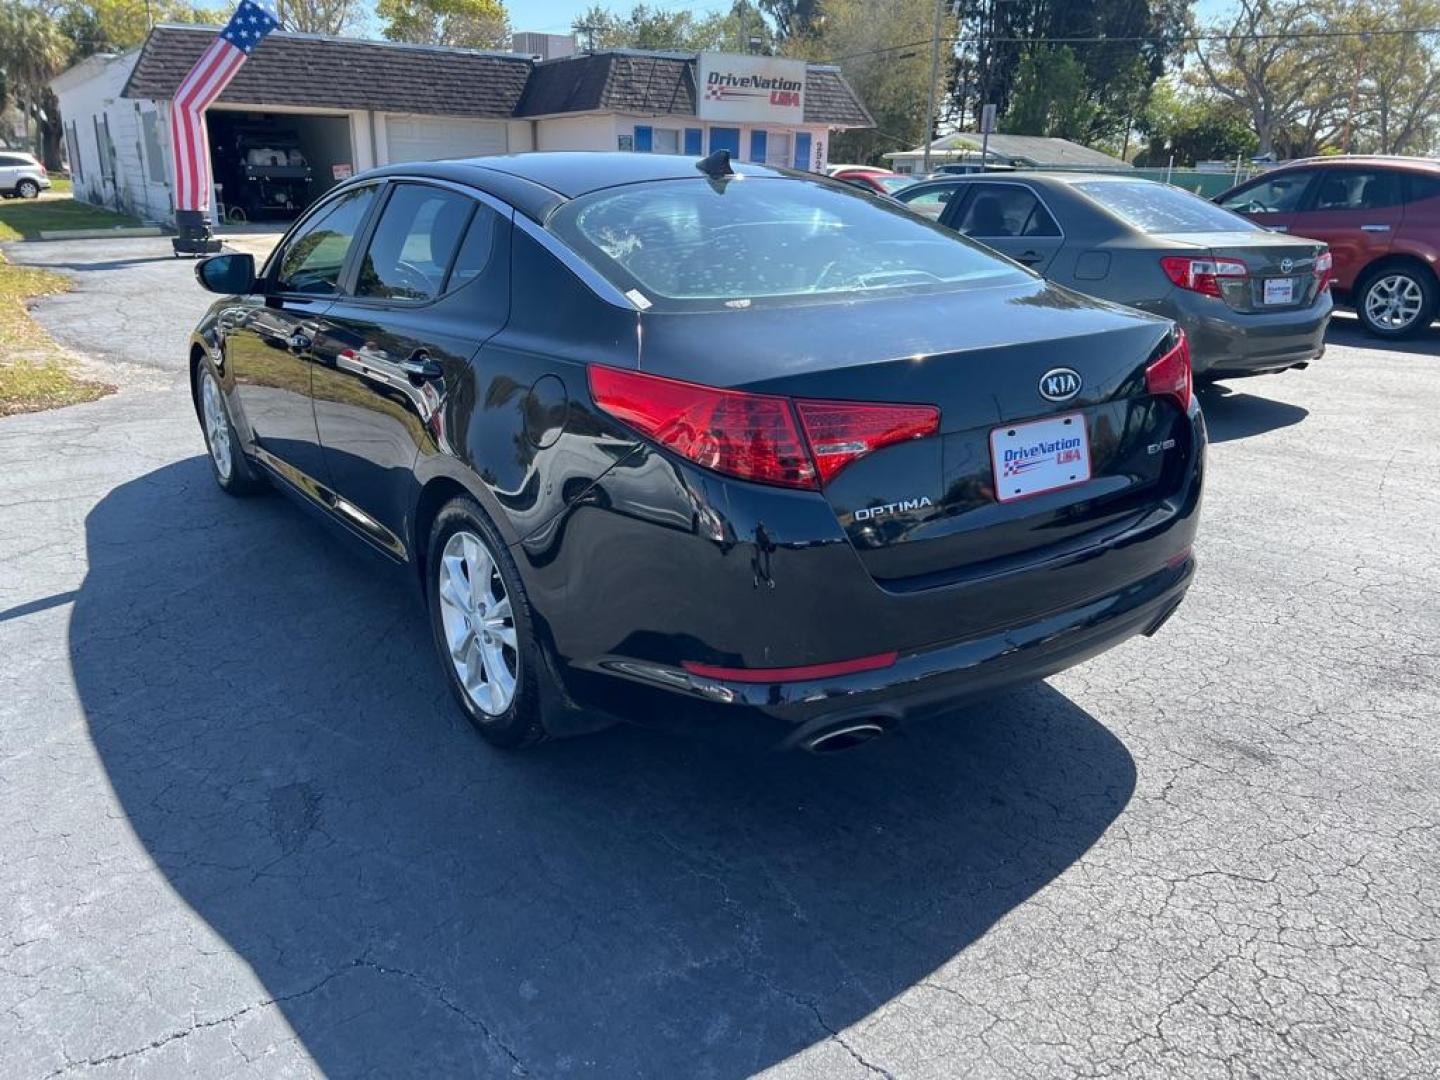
229	275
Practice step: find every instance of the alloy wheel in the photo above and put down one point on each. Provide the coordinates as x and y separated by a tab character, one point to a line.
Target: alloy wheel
478	622
28	189
217	425
1394	301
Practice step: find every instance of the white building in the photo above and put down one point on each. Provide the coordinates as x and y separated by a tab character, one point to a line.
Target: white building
348	105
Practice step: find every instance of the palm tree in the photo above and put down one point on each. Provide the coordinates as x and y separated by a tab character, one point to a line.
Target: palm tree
32	52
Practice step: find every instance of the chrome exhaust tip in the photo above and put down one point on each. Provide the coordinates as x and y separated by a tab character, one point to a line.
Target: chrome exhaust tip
844	737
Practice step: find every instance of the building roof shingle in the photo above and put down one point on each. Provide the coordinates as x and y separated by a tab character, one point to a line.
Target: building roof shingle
340	73
344	73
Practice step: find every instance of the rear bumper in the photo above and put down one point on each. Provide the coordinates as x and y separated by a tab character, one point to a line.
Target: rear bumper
1227	343
919	684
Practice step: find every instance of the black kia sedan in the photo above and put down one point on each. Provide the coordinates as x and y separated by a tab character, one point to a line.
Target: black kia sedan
702	445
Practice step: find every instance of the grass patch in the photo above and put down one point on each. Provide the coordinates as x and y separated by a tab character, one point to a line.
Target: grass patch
33	372
61	184
23	219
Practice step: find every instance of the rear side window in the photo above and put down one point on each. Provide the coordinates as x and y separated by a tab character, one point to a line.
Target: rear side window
999	210
11	159
1352	189
475	250
1270	195
1159	208
412	246
313	260
693	244
1423	187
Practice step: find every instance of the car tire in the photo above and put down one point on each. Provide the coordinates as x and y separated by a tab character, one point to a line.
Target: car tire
27	189
232	470
1396	301
483	626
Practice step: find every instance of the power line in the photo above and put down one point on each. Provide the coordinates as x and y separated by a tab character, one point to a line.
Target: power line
1158	39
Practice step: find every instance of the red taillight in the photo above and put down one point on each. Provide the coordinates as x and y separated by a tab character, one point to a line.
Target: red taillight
792	674
1171	373
1324	267
756	436
843	431
752	436
43	172
1202	275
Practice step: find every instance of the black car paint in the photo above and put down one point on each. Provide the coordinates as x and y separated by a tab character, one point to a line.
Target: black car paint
636	561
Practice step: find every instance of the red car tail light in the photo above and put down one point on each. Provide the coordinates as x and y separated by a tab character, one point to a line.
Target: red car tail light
756	436
844	431
752	436
1324	269
1202	275
1170	375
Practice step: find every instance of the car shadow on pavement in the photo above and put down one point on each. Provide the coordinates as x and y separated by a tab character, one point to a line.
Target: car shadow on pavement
265	700
1345	330
1233	414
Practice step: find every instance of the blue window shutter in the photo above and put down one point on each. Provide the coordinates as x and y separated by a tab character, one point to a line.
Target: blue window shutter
757	147
644	138
694	140
725	139
802	150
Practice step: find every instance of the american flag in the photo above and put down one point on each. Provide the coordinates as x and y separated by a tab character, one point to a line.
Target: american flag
189	140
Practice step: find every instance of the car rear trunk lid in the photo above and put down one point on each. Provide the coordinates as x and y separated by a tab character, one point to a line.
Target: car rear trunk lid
1281	269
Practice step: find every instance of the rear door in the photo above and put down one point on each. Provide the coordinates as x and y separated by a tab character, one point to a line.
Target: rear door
431	286
1010	217
1357	212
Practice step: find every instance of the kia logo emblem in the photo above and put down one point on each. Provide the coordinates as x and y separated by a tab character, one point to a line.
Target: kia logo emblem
1286	265
1059	384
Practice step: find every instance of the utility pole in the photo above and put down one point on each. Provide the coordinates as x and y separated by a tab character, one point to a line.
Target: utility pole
934	78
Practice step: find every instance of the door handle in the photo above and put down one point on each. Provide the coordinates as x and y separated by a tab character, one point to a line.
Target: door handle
299	342
1374	228
421	366
1029	258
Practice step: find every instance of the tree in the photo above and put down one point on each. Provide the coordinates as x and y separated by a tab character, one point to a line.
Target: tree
1121	46
873	41
476	24
1192	126
319	16
647	27
32	52
794	18
1393	83
1272	64
1050	96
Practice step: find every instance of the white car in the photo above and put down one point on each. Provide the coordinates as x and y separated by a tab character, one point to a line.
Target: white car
22	175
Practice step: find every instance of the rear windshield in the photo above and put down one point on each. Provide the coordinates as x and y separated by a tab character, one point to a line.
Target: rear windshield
1159	208
692	243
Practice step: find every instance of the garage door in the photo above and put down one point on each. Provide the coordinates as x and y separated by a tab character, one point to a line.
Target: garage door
427	138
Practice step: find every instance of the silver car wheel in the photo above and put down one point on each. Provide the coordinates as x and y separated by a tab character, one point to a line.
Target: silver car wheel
217	425
1394	301
28	189
478	622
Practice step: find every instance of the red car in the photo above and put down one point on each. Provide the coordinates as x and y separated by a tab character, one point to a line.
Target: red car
1381	218
880	181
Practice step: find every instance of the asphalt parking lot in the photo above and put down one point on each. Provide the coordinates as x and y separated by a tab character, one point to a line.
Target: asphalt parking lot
244	833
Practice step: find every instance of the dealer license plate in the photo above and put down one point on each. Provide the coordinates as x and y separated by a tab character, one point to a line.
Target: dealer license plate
1042	455
1280	290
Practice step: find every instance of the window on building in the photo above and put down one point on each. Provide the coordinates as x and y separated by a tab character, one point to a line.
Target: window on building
779	148
154	157
410	252
72	152
666	141
103	146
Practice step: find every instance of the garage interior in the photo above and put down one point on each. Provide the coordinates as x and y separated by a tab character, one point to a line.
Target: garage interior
270	166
